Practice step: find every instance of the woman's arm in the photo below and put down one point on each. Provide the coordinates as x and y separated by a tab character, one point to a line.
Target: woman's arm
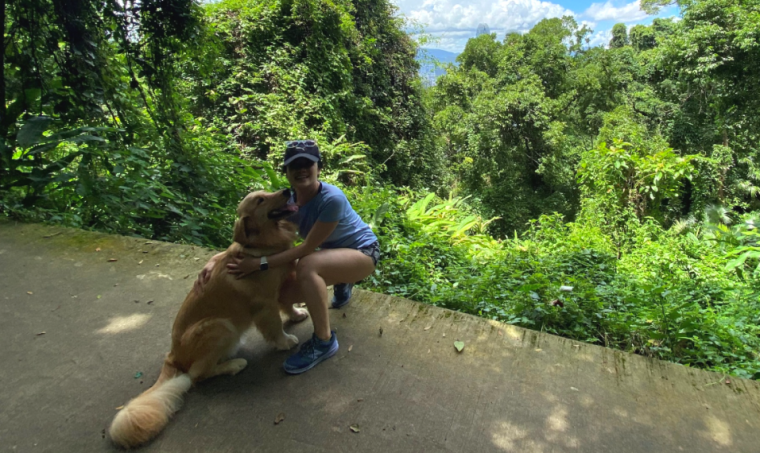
318	234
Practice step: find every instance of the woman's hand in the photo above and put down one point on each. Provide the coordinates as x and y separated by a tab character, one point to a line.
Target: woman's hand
240	266
204	276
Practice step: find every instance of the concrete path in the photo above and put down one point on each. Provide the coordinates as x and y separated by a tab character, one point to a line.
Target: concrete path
78	329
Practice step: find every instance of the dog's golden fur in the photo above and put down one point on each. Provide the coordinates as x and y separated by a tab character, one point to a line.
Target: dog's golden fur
209	325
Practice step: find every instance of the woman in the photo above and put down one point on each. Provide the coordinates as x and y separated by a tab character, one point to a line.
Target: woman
348	252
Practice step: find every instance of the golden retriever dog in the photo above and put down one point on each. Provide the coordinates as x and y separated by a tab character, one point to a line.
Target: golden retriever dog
209	326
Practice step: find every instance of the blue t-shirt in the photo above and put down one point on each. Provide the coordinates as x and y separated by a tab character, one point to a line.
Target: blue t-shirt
330	205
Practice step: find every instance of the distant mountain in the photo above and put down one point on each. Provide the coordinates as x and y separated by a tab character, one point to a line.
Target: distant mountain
443	56
427	58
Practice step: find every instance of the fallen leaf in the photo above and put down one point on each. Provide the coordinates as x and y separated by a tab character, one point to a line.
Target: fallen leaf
150	302
99	296
111	260
428	327
157	265
43	333
51	235
280	417
196	259
574	389
187	276
138	375
538	349
381	331
360	400
97	249
148	243
728	381
119	408
29	292
350	348
137	301
444	335
459	345
145	251
141	261
354	428
344	315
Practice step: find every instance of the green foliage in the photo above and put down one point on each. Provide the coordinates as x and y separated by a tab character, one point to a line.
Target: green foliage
619	36
327	70
481	54
670	296
629	177
642	37
153	118
525	112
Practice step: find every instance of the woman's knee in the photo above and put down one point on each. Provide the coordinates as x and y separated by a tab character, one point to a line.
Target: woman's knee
306	266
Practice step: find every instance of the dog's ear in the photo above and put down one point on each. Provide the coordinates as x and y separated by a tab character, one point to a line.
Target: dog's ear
239	235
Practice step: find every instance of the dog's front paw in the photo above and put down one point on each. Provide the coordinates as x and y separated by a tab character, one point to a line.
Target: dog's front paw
237	365
286	342
298	314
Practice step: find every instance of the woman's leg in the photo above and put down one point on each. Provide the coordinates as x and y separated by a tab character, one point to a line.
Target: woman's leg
321	269
290	295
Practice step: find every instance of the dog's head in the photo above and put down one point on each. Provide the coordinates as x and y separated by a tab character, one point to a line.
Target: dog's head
259	216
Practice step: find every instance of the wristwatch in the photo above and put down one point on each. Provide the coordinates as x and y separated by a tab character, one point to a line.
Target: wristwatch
264	265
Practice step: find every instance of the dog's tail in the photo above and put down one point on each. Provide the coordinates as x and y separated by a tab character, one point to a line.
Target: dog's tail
145	416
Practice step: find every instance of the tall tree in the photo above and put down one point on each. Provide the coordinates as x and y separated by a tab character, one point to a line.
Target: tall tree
619	36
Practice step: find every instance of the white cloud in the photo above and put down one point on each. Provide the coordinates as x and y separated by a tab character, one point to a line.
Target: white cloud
453	22
600	38
450	15
607	11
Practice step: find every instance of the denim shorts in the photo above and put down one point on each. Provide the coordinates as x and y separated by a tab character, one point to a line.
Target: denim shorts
372	251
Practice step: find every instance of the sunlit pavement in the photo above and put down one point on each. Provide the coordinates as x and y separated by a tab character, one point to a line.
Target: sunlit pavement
86	330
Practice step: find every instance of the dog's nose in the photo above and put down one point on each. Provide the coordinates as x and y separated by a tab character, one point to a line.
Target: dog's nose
286	193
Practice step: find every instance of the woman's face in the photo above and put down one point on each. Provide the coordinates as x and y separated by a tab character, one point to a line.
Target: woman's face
302	173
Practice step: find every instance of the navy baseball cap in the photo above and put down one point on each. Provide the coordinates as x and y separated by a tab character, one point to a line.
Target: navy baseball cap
297	149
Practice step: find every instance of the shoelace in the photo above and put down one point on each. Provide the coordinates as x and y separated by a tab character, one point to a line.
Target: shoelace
308	348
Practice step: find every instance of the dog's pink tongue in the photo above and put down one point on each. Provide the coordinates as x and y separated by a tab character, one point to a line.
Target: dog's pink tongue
291	208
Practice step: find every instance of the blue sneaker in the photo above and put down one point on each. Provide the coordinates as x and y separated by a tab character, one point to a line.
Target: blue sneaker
310	354
341	294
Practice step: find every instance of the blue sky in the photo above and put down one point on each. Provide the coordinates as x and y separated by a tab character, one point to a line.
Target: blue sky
452	22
